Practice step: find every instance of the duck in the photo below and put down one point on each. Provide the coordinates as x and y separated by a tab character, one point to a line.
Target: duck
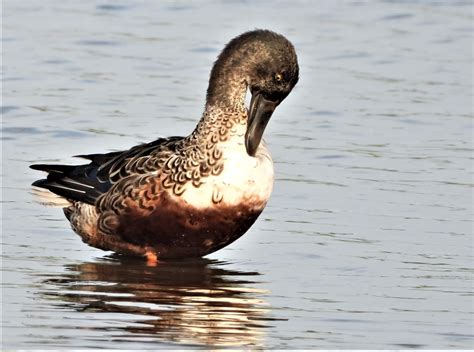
185	197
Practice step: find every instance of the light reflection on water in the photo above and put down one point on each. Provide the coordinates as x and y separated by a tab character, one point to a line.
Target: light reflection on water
367	239
195	302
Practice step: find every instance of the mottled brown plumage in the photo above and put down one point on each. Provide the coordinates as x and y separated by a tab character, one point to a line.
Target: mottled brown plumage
187	196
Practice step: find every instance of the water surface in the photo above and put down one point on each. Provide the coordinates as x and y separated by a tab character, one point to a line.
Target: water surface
367	239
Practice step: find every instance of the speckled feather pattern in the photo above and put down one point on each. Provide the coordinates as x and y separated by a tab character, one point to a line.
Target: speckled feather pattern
195	158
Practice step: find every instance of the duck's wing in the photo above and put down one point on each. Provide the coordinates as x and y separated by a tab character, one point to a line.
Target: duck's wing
87	182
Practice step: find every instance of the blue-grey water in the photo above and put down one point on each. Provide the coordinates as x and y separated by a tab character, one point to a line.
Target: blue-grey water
367	239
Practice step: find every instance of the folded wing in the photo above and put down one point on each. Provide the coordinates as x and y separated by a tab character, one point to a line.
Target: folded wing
88	182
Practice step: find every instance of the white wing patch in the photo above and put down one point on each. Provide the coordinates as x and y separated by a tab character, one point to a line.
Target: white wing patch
47	198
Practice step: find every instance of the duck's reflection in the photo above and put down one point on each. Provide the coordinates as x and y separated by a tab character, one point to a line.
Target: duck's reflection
193	302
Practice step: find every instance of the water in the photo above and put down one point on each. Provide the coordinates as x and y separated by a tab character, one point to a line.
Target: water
367	239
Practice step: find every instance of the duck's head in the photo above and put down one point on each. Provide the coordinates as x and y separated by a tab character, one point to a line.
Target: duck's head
267	64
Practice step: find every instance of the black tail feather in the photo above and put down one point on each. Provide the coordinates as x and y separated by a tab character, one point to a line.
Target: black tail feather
99	158
63	169
73	182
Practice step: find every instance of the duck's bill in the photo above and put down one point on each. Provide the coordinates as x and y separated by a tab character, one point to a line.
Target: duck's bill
260	111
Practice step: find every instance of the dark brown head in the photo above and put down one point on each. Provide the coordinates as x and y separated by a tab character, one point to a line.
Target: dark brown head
266	63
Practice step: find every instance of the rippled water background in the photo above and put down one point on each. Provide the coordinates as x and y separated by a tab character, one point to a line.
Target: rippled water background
367	240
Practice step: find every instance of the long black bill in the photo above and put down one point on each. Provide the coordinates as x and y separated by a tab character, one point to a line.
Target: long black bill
260	111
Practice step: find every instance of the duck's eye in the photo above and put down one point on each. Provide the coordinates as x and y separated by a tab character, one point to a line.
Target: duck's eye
278	77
